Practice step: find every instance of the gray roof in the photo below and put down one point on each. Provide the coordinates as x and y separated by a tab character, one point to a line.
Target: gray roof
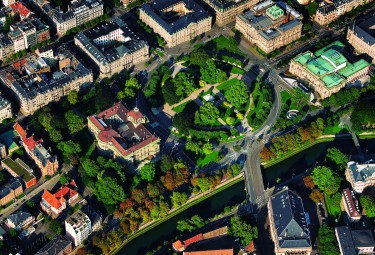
55	246
361	172
363	238
289	218
345	240
365	30
196	14
19	217
3	102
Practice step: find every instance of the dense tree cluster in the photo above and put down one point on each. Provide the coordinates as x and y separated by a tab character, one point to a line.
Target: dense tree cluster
211	74
237	94
326	179
207	115
369	205
180	87
262	99
191	224
363	116
155	84
129	89
243	230
337	158
328	243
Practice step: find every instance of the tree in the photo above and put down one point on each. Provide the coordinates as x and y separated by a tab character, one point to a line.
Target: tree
328	243
243	230
203	183
316	196
207	148
55	226
64	179
75	122
236	169
194	147
326	180
9	20
69	147
108	191
198	57
336	156
166	163
55	135
311	8
184	85
152	190
230	121
73	97
308	181
237	94
182	122
90	167
211	74
12	232
131	86
198	221
178	199
185	225
148	172
206	115
368	204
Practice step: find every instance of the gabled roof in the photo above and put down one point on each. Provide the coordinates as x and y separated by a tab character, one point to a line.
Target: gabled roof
19	217
65	193
20	130
51	199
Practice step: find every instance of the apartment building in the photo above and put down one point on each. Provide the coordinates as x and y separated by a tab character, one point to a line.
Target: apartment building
121	133
18	168
36	83
361	37
360	176
112	47
59	245
176	21
43	158
78	227
351	205
78	13
270	25
288	226
19	220
226	11
327	70
353	242
10	191
3	151
5	109
329	11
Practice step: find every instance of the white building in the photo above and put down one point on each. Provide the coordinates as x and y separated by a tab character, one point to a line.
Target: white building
5	109
78	227
360	176
8	2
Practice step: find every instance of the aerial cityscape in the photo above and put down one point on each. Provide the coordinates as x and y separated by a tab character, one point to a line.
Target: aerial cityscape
187	127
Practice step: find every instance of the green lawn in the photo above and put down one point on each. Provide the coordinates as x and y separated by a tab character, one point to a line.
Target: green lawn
161	54
237	70
225	85
213	157
179	108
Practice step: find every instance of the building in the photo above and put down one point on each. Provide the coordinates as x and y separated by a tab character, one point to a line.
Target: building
270	25
361	37
36	83
18	168
3	151
327	70
360	176
78	227
46	162
180	246
210	252
351	205
5	109
78	13
10	191
329	11
8	2
6	47
121	133
19	220
94	216
176	21
226	11
353	242
19	8
54	204
112	47
59	245
288	225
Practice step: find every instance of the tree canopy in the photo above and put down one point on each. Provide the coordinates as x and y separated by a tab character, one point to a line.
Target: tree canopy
129	89
108	191
148	172
326	180
75	122
243	230
328	243
206	115
337	157
211	74
237	94
73	97
368	204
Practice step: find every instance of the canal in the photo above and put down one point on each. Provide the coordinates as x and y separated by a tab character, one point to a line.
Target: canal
303	160
167	230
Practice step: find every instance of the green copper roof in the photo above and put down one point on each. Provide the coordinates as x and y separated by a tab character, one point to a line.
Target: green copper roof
303	57
337	45
320	66
351	69
332	80
334	56
275	11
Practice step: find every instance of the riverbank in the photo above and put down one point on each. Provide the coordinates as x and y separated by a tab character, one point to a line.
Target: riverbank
193	201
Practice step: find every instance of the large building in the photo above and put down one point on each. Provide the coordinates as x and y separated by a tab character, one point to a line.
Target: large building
327	70
19	220
121	133
47	163
329	11
78	13
270	25
360	176
54	204
351	205
362	37
59	245
112	47
5	109
18	168
37	83
78	227
176	21
10	191
288	226
354	242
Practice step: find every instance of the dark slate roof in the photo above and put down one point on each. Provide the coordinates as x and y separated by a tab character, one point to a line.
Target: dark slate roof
364	30
56	245
19	217
326	9
226	4
197	14
363	238
289	218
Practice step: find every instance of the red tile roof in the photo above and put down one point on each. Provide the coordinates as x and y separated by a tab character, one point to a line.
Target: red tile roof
178	245
20	130
19	64
65	193
51	199
135	114
351	203
193	239
212	252
29	142
250	247
19	7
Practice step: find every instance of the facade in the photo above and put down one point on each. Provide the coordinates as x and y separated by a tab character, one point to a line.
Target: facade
36	83
176	21
95	217
78	227
18	168
79	12
19	220
3	151
121	134
59	245
360	176
288	225
10	191
180	246
54	204
329	11
112	47
353	242
5	109
327	70
361	37
47	163
351	205
270	25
